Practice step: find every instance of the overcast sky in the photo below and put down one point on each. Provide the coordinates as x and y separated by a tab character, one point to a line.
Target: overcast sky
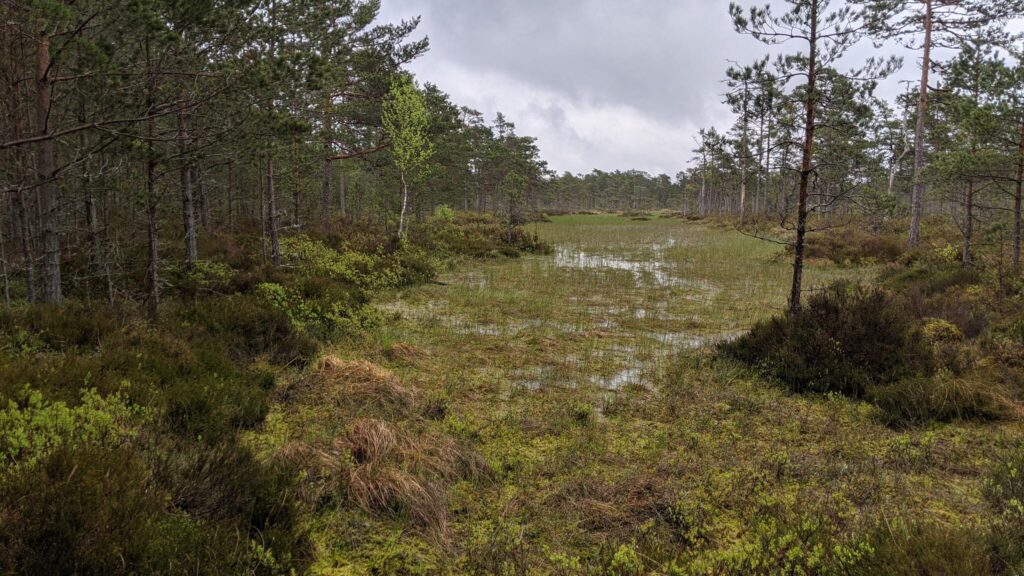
609	84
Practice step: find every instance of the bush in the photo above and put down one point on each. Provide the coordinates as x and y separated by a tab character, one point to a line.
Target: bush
55	327
95	510
854	246
249	329
846	339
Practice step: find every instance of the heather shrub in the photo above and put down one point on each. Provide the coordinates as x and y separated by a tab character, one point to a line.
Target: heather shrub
845	339
855	246
251	329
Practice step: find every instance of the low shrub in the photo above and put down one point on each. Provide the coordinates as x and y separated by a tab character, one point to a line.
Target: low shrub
855	246
928	275
250	329
55	327
843	340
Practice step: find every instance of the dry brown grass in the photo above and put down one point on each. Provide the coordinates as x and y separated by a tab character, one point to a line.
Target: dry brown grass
385	470
355	386
407	353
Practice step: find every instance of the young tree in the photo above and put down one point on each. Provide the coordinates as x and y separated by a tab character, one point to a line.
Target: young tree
405	122
827	34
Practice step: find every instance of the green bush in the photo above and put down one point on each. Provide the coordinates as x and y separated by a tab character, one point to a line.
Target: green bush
845	339
55	327
94	510
251	329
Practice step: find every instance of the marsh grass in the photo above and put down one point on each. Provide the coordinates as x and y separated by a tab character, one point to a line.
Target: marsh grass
600	432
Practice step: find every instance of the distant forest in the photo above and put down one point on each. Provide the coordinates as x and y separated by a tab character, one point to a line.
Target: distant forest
132	129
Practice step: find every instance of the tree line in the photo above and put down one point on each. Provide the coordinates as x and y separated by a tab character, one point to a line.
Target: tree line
813	147
136	130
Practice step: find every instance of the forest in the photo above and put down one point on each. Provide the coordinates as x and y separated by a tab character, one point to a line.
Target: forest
275	304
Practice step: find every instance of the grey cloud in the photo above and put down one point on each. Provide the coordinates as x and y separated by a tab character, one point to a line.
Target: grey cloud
601	83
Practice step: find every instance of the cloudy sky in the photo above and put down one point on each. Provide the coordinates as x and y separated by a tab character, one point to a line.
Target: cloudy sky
609	84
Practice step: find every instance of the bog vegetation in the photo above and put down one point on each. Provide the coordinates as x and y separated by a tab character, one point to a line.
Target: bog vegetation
273	306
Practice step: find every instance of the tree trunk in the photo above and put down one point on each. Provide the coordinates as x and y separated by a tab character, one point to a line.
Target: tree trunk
405	202
199	177
95	245
231	195
701	201
46	168
325	195
21	215
275	241
297	177
3	268
153	273
968	223
343	190
805	165
1017	200
152	234
917	196
188	213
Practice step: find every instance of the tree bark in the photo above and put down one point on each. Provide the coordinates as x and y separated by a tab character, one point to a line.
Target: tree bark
343	191
968	223
188	212
917	196
46	168
1017	199
297	195
405	202
805	165
275	241
21	215
230	188
153	273
325	195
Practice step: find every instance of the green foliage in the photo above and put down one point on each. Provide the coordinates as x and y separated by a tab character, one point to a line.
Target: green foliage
939	330
55	327
483	236
496	547
314	258
32	428
444	214
845	339
203	276
626	562
405	120
798	544
249	329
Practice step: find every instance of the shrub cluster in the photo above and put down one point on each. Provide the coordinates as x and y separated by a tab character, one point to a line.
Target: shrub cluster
855	246
120	449
846	339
